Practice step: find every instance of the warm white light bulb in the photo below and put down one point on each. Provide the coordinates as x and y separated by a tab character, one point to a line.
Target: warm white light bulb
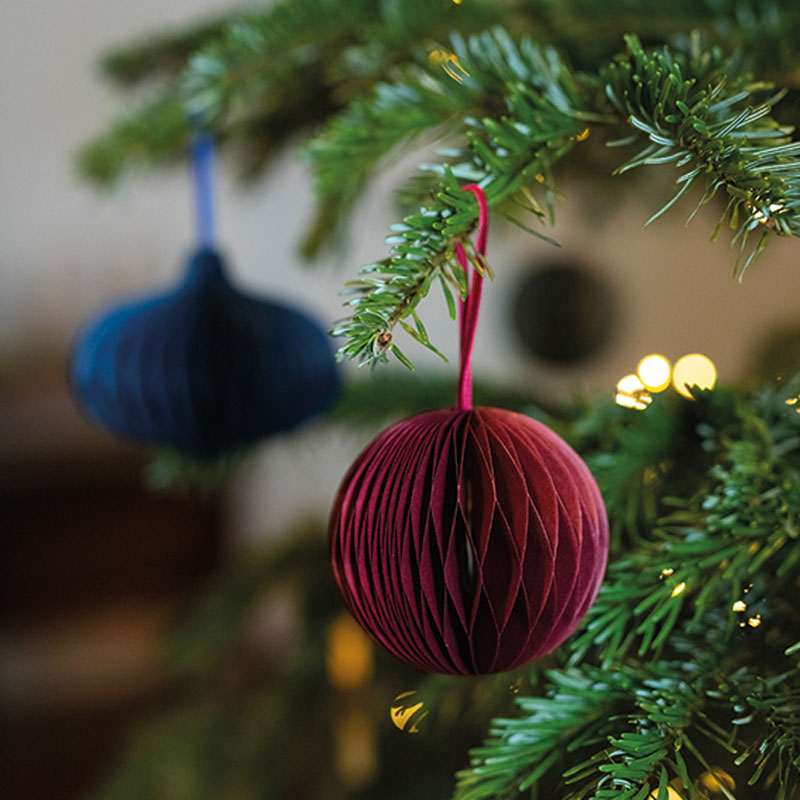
693	370
717	780
672	794
655	372
631	393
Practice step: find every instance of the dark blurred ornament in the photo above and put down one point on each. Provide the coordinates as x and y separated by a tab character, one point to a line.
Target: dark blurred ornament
469	540
203	367
563	314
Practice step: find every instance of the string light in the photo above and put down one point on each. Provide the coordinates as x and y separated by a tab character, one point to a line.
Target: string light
631	393
655	372
672	794
356	747
765	219
755	621
449	63
792	401
717	780
679	588
349	654
694	369
404	716
666	572
739	605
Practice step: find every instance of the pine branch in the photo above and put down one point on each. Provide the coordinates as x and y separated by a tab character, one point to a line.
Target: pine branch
270	74
705	553
632	465
772	707
544	120
519	752
629	733
162	56
701	120
157	133
365	133
627	730
711	580
212	628
360	43
698	121
467	80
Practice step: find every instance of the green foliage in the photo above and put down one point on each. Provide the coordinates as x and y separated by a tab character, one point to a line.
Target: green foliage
207	639
369	130
544	120
469	80
689	658
335	52
690	114
384	398
632	458
174	471
686	665
691	121
264	75
158	133
247	721
693	623
161	56
632	721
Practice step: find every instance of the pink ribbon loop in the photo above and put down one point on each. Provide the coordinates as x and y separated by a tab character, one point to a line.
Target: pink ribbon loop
469	307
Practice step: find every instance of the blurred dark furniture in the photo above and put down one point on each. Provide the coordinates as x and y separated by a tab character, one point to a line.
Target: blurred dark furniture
93	568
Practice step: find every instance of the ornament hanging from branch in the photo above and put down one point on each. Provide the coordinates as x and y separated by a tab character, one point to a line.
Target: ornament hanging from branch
469	540
202	367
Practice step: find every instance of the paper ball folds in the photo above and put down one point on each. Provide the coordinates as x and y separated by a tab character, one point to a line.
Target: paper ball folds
203	368
469	542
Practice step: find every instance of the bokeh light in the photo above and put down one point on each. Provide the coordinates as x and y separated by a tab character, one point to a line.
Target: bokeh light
693	370
356	746
672	794
716	779
406	714
449	63
655	372
350	659
631	393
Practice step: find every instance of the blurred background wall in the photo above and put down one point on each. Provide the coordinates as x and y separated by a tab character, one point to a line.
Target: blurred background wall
93	565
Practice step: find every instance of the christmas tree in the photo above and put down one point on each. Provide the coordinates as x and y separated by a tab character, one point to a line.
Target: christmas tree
682	680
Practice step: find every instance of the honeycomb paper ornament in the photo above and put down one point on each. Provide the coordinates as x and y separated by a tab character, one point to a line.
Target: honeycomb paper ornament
202	367
469	540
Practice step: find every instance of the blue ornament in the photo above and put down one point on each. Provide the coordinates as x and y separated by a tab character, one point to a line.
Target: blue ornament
203	368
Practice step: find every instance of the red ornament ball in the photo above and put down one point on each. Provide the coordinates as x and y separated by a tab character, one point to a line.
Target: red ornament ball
469	541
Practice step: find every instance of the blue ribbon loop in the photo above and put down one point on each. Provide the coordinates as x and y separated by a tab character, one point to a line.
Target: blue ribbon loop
202	168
